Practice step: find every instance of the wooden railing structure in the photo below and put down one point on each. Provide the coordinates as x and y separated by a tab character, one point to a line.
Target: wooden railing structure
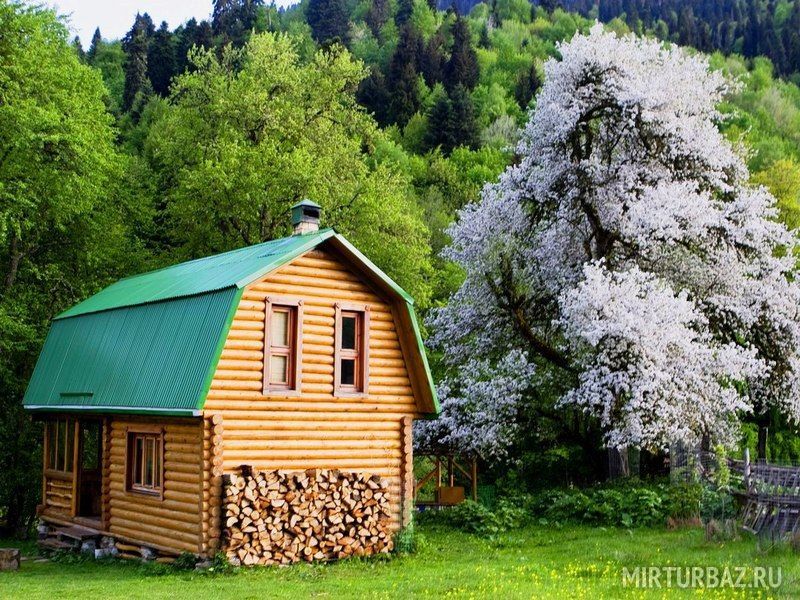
769	494
448	466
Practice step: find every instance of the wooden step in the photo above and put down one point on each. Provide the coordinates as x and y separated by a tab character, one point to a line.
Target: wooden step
77	533
54	544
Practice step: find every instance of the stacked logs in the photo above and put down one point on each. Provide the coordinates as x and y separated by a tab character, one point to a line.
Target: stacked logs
273	517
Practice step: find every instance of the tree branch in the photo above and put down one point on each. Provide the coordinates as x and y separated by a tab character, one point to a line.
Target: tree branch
514	303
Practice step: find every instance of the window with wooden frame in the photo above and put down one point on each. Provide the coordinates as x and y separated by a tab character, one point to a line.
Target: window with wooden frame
59	445
351	357
282	345
145	462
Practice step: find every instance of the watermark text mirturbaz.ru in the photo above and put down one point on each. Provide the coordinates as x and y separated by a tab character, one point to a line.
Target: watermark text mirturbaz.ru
656	577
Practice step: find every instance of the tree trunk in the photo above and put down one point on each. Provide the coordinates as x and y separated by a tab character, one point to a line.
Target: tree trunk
13	267
763	434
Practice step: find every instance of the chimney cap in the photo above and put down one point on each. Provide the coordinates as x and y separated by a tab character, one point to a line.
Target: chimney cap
305	216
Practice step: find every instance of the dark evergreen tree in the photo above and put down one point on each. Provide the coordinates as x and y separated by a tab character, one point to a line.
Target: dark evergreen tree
750	43
204	37
377	16
328	21
404	10
375	97
438	115
192	34
451	122
432	61
76	43
687	33
528	84
402	76
184	41
791	38
483	40
462	67
161	60
223	16
97	41
233	20
136	44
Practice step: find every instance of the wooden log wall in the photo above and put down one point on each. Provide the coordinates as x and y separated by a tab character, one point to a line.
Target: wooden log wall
211	496
172	522
105	513
58	495
315	429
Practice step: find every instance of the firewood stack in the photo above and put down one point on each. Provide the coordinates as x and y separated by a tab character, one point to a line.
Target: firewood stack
273	517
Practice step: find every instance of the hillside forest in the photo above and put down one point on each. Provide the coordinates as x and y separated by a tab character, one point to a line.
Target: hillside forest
183	140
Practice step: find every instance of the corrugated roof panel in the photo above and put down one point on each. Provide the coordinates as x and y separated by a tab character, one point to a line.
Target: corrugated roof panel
151	342
198	276
151	356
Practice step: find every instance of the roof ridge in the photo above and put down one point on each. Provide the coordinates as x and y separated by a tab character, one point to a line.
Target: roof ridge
197	276
220	254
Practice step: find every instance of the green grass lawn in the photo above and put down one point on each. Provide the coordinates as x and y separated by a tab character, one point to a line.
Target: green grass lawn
540	562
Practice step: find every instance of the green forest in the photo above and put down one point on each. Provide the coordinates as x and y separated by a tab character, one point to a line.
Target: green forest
183	140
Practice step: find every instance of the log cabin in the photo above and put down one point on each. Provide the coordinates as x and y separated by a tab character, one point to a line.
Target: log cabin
294	354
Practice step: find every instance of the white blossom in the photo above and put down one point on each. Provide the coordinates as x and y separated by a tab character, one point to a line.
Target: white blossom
627	252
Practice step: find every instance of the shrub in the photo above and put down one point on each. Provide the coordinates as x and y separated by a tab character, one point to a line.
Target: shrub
626	504
684	501
473	517
185	562
408	540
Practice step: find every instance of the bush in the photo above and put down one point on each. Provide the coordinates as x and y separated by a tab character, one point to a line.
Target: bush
684	501
625	504
717	504
185	562
473	517
408	540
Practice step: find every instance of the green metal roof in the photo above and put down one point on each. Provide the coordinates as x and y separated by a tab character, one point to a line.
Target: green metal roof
151	343
235	268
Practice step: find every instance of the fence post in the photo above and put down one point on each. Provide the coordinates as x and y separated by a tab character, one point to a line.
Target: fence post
747	470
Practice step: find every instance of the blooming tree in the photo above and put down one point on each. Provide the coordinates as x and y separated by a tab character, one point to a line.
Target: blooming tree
627	257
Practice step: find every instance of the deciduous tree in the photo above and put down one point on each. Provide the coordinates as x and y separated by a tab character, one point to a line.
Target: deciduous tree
626	262
249	134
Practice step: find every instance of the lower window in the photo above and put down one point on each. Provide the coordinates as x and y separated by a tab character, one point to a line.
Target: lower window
145	462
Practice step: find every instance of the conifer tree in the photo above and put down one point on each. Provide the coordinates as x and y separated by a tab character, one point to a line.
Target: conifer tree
233	20
404	10
403	74
451	122
528	84
328	21
374	96
462	68
204	37
97	40
483	40
377	15
76	43
136	44
161	60
432	61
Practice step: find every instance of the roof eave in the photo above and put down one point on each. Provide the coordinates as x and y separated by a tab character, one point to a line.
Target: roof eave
113	410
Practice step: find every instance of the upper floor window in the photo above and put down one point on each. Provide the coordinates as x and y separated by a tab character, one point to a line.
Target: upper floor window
145	462
282	342
351	360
